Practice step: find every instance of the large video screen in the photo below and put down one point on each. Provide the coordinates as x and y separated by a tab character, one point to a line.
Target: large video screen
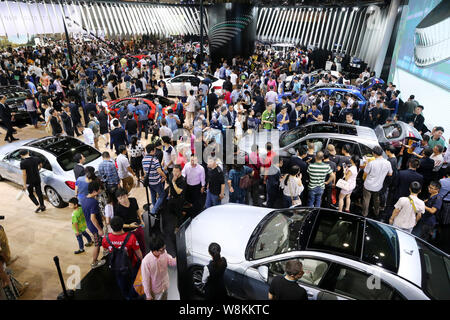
421	64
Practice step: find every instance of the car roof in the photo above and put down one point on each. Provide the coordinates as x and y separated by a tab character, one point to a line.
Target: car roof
53	145
365	133
348	90
352	257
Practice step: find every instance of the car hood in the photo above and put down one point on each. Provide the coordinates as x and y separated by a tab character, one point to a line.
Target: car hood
229	225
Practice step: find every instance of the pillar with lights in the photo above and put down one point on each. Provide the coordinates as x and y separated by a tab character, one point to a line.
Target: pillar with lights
232	30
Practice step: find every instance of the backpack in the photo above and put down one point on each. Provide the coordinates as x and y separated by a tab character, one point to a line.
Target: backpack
118	260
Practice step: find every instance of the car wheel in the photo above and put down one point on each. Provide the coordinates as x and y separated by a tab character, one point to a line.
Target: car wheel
54	198
198	286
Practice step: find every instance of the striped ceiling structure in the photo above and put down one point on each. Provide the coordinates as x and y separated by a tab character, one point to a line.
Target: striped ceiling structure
355	31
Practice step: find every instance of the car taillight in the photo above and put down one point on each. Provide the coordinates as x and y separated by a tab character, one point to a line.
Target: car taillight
71	184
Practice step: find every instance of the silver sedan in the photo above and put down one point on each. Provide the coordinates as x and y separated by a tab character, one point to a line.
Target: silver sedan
344	256
56	153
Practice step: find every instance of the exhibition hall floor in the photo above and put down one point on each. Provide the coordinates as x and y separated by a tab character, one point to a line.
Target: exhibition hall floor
37	238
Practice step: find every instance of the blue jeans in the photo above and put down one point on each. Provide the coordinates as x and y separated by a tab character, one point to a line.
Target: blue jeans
80	239
211	200
315	197
154	190
237	197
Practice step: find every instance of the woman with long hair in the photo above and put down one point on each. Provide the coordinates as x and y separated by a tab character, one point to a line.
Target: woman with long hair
292	187
213	274
350	175
136	155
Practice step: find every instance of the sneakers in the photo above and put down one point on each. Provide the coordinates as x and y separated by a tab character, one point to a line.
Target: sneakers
38	209
97	264
89	244
79	251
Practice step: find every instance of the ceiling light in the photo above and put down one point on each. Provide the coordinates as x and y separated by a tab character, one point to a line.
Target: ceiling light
355	8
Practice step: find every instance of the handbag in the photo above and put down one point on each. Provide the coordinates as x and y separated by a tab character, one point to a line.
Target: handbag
138	285
343	184
245	182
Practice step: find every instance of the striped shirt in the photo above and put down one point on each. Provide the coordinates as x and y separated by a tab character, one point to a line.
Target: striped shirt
317	173
151	163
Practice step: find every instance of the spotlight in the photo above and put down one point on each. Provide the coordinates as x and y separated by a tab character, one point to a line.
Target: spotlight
343	9
355	8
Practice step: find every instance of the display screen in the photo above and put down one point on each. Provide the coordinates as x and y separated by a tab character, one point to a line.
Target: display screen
420	64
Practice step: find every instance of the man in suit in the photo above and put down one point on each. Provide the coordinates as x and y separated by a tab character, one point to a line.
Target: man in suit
6	115
67	121
118	136
75	114
296	116
78	169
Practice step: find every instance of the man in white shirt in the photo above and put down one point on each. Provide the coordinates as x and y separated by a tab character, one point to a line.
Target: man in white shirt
374	174
87	133
167	71
164	130
271	96
124	169
408	210
233	77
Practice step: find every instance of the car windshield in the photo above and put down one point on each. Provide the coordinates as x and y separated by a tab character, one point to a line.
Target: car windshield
278	233
381	246
212	78
293	135
366	83
435	272
392	131
66	161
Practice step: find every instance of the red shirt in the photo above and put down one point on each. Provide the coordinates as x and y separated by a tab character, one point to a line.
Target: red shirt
227	97
268	159
117	240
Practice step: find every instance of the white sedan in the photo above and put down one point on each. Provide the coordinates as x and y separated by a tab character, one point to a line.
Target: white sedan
174	84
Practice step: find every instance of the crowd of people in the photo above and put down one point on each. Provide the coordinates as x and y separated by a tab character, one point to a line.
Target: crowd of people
406	185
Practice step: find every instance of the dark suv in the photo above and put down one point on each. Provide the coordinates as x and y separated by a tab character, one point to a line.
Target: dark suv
15	96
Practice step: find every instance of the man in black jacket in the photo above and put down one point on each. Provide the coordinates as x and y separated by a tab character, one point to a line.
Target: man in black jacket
75	114
227	85
118	136
212	102
67	121
5	116
418	120
78	169
405	177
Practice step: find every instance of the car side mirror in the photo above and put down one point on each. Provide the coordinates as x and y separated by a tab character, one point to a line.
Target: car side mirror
292	151
263	272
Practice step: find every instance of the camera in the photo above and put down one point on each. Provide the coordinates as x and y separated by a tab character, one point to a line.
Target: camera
2	217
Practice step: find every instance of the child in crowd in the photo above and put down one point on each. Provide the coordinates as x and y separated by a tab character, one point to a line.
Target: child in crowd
79	225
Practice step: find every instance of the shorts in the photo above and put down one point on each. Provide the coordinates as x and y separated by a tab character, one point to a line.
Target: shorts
97	239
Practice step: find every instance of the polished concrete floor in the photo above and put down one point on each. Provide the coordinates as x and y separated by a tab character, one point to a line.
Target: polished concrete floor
37	238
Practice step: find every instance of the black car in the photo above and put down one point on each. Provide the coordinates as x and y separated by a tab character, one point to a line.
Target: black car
15	96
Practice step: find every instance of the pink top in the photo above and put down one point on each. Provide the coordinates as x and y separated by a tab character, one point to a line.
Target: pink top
155	275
